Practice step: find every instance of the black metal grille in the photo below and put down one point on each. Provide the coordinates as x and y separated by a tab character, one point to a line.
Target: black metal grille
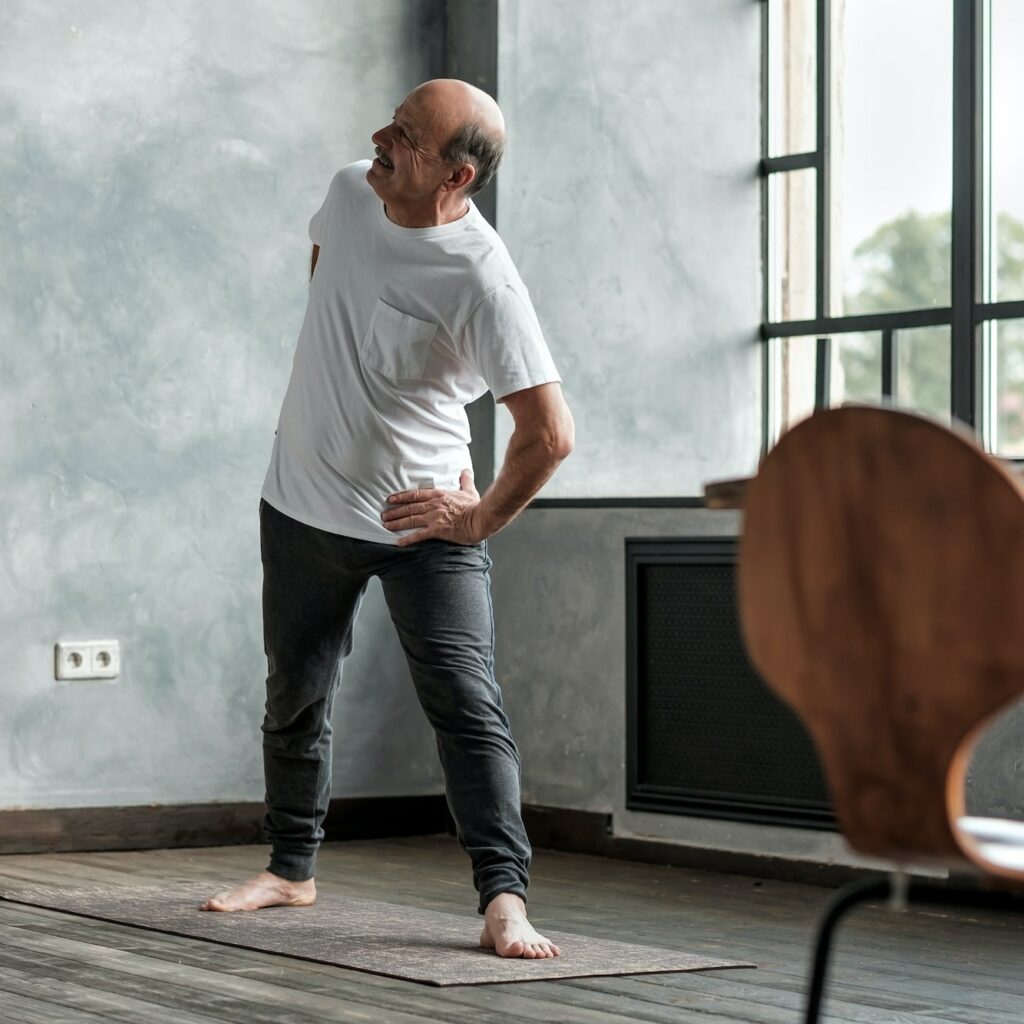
706	736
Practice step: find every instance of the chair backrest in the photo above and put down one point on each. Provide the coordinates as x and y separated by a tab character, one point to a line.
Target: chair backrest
881	584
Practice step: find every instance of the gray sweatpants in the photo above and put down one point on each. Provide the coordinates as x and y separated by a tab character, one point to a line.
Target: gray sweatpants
438	595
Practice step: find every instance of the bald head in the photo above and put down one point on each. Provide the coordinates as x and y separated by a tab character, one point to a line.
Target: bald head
471	122
464	103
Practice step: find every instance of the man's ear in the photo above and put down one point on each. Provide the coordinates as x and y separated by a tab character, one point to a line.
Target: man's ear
461	176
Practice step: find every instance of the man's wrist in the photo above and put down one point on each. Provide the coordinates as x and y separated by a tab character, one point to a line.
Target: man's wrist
486	521
478	523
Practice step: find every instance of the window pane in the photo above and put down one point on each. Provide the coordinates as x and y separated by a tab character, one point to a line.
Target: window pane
792	76
794	379
1007	152
923	370
1008	346
791	205
891	155
856	368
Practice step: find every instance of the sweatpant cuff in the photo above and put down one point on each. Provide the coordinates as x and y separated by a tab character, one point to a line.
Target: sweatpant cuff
488	894
295	867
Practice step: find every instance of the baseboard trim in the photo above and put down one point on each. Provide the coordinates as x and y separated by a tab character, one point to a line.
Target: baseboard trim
166	826
590	832
150	827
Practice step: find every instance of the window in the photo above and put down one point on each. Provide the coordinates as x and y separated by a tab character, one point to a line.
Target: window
894	250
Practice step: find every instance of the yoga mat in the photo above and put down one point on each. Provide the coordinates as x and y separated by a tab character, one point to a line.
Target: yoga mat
383	938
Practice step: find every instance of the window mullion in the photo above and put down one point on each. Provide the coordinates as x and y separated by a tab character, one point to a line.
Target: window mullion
824	98
967	38
890	365
823	374
823	211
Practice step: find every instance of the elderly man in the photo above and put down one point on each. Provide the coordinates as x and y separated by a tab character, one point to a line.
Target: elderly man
415	309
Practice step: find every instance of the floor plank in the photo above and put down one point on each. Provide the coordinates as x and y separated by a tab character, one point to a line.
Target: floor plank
924	966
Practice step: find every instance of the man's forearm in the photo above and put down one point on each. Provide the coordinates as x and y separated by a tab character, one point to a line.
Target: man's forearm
529	463
544	435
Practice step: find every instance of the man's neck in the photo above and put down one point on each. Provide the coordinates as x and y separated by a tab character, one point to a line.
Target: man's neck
432	218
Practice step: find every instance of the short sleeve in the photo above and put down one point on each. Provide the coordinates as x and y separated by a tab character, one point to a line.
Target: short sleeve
316	223
504	343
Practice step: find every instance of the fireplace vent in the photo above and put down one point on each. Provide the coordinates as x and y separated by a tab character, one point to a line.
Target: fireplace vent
705	735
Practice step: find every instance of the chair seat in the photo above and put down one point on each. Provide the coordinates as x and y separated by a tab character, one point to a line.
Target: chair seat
1000	841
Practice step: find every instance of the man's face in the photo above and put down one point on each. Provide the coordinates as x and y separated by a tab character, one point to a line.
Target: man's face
408	168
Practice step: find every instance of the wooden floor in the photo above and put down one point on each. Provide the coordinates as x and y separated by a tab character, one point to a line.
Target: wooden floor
891	968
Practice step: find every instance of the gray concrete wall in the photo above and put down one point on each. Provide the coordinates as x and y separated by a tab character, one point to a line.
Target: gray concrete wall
158	166
559	592
630	201
155	184
995	782
560	611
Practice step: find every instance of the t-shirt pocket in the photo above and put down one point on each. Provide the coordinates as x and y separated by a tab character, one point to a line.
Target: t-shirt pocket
396	344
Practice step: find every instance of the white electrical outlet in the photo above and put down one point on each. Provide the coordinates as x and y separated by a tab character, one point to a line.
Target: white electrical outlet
87	659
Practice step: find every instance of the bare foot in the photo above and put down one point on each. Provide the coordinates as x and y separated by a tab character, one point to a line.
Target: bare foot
264	890
509	933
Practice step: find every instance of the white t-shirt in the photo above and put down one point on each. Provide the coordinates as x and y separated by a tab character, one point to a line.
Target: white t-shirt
403	328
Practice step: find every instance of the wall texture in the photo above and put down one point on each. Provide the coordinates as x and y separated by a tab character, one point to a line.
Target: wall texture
995	782
630	201
158	166
559	591
559	580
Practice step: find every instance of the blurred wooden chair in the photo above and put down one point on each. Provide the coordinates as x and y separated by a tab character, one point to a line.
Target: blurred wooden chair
881	587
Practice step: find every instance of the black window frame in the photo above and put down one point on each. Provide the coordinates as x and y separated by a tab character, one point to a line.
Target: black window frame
967	313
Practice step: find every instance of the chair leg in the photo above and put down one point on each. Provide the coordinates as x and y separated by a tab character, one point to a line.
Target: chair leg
844	900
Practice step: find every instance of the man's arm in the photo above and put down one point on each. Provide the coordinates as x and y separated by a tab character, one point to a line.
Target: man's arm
312	261
544	435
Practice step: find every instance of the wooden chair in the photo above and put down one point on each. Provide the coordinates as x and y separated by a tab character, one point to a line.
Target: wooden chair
881	586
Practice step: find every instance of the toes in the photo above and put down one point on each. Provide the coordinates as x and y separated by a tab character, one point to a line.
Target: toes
539	948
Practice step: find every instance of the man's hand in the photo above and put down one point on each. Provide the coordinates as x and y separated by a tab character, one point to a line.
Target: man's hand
436	514
542	438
